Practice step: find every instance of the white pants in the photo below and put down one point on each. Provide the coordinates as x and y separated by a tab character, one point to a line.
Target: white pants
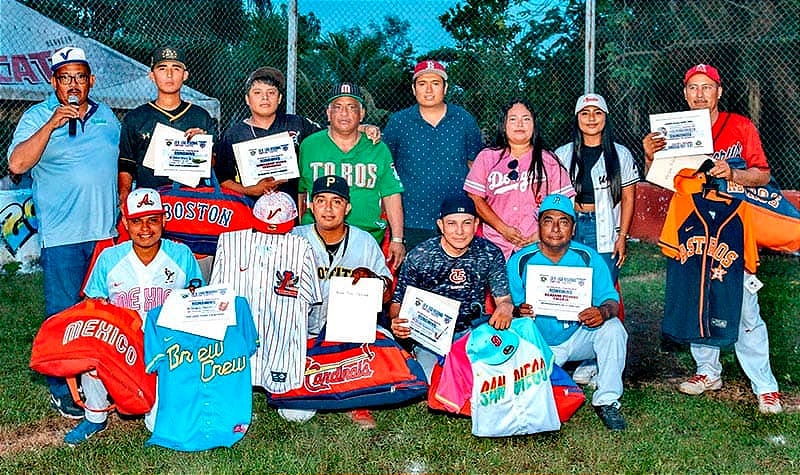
752	349
96	396
609	344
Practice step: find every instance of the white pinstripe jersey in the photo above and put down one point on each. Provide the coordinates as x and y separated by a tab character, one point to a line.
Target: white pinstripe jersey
276	274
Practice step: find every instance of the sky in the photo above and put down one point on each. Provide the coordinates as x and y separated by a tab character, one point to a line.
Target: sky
425	31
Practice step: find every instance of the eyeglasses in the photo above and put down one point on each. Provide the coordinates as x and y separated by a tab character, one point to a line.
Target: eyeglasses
66	79
512	165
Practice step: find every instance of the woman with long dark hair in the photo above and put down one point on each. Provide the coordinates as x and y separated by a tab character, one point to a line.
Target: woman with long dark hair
604	174
510	178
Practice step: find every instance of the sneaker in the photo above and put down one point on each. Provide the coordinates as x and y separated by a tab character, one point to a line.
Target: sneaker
83	431
362	418
611	416
698	384
586	373
66	407
296	415
770	403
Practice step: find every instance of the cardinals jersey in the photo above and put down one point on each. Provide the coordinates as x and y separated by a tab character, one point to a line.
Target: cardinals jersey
204	385
276	274
510	392
711	242
125	281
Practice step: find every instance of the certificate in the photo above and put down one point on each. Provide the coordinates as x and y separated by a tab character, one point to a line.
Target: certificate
559	291
432	318
207	312
663	170
687	133
353	309
270	156
161	133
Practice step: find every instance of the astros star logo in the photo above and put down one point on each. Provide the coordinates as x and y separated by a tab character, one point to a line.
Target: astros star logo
718	273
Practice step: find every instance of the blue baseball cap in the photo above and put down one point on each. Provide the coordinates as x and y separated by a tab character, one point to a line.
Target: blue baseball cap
457	204
557	202
492	346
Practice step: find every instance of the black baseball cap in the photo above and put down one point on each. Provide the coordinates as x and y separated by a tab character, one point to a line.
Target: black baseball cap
331	184
166	53
457	204
346	89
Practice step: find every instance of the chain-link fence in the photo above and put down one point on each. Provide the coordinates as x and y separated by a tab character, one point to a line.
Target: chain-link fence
494	50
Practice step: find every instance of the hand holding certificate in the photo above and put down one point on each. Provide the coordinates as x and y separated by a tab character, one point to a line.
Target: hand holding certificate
270	156
185	161
687	133
559	291
432	318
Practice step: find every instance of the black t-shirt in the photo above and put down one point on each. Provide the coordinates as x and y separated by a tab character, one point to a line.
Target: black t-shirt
589	157
297	126
137	129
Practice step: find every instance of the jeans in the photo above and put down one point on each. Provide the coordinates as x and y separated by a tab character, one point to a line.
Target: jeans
586	233
64	269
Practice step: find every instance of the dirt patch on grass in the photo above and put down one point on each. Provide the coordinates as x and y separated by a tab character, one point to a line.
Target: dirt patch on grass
44	433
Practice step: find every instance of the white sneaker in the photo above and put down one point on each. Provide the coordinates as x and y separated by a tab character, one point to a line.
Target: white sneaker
296	415
698	384
770	403
586	373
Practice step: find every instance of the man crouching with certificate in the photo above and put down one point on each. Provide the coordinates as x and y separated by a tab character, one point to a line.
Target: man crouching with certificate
596	332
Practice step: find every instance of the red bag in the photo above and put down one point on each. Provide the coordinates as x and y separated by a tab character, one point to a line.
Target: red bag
95	335
197	216
353	376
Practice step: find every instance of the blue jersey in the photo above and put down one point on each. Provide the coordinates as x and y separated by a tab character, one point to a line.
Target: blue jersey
555	331
204	385
119	275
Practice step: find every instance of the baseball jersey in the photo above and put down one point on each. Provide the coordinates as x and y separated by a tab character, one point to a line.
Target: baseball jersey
358	249
515	201
125	281
465	278
736	136
368	169
204	385
553	330
137	130
608	214
298	128
513	397
710	243
276	274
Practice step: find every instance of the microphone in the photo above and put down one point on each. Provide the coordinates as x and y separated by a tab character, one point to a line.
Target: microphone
73	123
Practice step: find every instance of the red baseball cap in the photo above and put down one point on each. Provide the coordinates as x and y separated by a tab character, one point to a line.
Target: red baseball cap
429	66
142	202
706	69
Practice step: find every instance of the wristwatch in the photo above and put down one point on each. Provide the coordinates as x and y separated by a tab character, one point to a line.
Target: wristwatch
399	239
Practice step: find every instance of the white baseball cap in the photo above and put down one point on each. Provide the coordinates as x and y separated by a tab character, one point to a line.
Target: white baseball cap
587	100
277	211
67	55
142	202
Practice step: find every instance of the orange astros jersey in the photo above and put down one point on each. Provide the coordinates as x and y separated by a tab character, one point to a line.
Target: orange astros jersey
711	242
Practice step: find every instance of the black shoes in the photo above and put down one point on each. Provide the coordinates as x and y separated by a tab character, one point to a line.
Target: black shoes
611	416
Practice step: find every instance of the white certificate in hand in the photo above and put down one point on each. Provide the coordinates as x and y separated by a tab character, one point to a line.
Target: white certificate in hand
432	318
161	134
353	309
558	291
687	133
270	156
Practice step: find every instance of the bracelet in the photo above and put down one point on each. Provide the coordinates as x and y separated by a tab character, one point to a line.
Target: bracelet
399	240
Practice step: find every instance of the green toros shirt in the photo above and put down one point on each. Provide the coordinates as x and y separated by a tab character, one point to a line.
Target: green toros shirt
368	169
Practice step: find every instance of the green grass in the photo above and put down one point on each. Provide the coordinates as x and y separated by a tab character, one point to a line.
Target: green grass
668	432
